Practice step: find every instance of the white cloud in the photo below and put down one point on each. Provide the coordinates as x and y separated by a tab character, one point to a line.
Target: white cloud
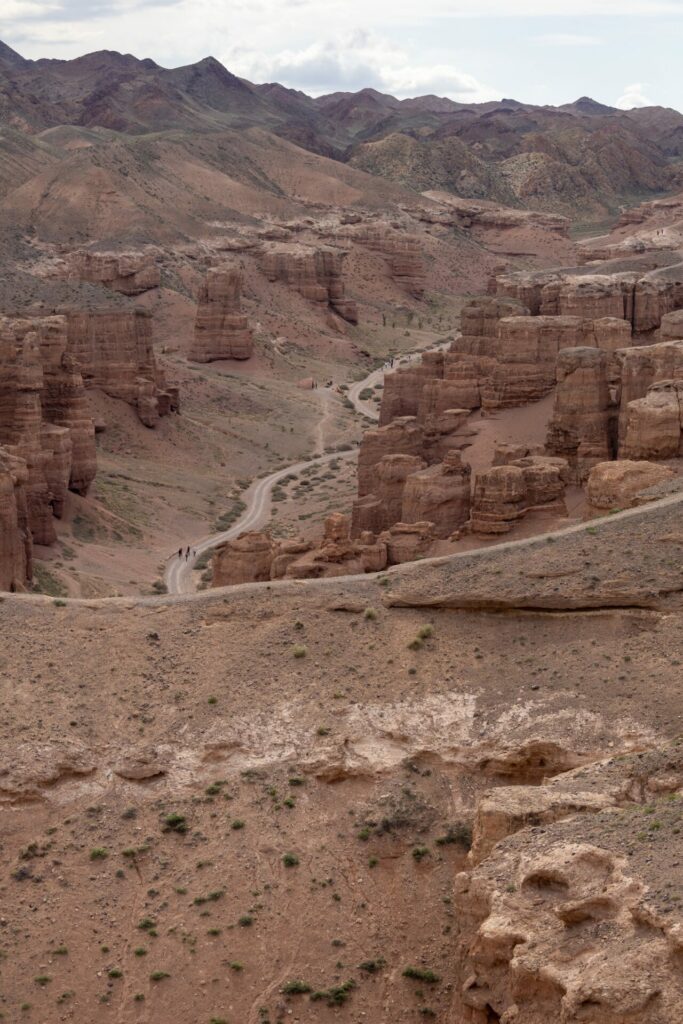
634	96
21	9
354	62
566	39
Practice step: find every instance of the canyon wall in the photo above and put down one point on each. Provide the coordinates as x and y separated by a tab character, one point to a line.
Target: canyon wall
47	433
316	272
114	351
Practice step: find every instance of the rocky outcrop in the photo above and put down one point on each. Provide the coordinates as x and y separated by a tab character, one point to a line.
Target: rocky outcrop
501	361
402	436
246	559
407	542
114	351
654	424
515	363
583	427
504	494
431	440
439	495
130	273
563	912
641	298
257	557
44	420
337	554
402	392
671	326
221	330
315	272
640	369
617	484
403	253
16	544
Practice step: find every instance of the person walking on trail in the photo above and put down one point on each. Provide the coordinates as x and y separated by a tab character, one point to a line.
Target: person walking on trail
180	552
187	553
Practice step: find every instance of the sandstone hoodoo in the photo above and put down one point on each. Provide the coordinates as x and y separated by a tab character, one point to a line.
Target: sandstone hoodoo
583	427
221	330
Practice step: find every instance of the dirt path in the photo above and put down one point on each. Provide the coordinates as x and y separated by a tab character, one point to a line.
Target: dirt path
366	406
178	573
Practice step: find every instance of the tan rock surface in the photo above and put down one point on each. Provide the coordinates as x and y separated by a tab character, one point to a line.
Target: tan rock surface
617	484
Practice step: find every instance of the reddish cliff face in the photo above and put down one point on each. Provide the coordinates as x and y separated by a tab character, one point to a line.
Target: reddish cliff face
16	544
316	272
641	298
402	251
221	330
581	427
114	351
41	402
130	273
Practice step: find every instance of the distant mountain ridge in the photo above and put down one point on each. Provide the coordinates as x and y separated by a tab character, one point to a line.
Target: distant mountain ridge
581	156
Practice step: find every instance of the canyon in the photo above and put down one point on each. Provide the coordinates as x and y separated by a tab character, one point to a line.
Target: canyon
340	504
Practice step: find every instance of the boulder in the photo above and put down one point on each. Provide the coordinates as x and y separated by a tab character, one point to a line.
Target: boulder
407	542
617	484
653	424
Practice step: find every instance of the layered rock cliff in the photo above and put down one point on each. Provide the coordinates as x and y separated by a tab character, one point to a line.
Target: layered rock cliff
221	330
114	351
130	273
316	272
45	426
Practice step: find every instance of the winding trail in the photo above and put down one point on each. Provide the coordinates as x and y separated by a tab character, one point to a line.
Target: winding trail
258	497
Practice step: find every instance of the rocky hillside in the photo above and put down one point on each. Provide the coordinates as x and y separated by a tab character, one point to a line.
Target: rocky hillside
582	157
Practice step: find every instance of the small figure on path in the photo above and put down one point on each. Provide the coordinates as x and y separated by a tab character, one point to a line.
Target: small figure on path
187	553
180	552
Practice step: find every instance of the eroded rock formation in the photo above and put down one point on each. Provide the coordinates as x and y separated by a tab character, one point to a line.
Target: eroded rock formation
505	493
618	484
563	913
504	358
114	351
246	559
582	429
439	495
130	273
16	543
256	557
402	251
315	272
221	330
641	298
46	428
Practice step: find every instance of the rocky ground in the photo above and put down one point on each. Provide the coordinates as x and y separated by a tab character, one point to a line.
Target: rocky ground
168	813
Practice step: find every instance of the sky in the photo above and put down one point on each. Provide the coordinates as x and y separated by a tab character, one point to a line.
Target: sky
624	53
